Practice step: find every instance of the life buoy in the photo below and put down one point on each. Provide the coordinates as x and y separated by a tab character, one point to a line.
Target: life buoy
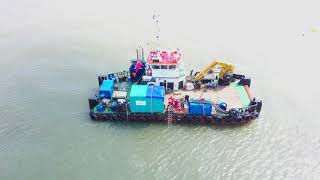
247	117
239	119
218	120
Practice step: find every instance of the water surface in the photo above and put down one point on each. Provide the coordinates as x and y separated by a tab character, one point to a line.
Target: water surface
52	51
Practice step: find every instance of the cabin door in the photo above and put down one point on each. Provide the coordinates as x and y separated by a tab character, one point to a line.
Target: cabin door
164	84
180	85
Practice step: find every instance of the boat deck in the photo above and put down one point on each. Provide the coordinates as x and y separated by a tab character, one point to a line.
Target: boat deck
234	95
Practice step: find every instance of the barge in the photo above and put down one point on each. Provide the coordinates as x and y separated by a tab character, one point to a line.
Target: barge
157	89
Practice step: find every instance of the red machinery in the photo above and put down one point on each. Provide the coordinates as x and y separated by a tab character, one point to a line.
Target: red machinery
177	104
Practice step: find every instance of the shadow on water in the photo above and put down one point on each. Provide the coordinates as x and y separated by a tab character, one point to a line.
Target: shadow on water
142	125
124	124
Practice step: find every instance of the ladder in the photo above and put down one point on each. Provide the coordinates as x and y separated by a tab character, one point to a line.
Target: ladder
170	113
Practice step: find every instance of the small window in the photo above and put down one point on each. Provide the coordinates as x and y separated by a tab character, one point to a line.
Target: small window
155	67
172	66
164	67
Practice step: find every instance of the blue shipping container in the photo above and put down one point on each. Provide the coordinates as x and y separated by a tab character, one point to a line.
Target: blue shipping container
155	92
146	99
200	108
106	89
155	98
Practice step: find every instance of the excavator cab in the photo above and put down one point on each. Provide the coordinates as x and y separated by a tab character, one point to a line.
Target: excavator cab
225	74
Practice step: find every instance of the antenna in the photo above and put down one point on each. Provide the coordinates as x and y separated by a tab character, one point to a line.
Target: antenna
137	54
140	53
155	17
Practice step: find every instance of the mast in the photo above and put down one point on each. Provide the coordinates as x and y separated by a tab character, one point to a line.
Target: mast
155	17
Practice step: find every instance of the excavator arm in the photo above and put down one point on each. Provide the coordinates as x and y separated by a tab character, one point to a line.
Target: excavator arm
225	68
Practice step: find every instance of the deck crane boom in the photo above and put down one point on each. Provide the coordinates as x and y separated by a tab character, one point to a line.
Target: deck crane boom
225	74
225	68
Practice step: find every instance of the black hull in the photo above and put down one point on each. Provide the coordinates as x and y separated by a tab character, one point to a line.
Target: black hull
176	118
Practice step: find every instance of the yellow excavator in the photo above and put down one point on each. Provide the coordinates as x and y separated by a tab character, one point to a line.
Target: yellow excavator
225	75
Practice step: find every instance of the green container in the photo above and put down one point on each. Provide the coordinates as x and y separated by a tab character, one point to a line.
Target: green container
140	103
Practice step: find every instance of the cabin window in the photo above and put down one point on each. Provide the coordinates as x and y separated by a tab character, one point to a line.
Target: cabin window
155	67
164	67
172	67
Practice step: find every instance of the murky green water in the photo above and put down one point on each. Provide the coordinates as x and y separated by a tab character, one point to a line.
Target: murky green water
51	53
